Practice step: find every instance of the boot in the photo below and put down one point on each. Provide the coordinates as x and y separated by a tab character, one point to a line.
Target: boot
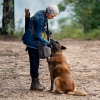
35	85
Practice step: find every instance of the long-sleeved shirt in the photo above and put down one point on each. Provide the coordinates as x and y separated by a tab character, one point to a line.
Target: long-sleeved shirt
38	20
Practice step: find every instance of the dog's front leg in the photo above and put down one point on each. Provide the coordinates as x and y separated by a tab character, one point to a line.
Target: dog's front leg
52	84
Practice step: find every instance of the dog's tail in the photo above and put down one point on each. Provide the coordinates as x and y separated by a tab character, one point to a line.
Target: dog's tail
77	93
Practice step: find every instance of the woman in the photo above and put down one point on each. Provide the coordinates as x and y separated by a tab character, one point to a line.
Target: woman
39	21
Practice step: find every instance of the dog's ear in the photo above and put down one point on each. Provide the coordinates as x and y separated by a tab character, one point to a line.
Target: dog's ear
63	48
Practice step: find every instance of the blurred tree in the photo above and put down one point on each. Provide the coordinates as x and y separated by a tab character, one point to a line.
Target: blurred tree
8	16
87	12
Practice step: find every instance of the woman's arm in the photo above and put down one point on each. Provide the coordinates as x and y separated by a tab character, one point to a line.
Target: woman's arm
38	31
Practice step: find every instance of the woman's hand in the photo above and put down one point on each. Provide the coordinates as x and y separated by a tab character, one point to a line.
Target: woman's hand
50	33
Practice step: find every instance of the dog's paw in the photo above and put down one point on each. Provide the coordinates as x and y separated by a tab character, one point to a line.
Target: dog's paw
51	91
56	91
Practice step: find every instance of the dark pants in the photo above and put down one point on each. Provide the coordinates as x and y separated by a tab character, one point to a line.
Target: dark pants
34	62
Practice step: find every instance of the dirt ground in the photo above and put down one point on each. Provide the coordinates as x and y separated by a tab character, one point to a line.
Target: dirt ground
83	58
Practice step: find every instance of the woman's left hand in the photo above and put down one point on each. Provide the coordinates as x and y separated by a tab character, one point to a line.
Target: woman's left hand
50	33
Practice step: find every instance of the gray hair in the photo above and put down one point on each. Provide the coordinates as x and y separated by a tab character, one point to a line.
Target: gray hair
52	9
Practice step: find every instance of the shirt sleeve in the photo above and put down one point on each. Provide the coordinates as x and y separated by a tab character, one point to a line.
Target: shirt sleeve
39	29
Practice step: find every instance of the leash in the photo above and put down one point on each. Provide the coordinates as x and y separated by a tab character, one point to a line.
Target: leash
27	18
47	32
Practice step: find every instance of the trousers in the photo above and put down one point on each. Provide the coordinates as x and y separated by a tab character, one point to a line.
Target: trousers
34	62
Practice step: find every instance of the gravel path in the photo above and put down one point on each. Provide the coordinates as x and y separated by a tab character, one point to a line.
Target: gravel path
83	58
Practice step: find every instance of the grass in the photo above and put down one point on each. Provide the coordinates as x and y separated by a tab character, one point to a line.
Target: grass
5	54
12	71
3	96
77	33
3	70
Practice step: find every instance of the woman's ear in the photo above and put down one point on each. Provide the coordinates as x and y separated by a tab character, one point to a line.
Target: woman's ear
63	48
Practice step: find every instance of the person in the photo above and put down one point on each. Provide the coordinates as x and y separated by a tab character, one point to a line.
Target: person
39	21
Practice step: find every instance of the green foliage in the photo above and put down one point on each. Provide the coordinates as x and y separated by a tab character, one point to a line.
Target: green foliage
61	7
15	32
8	17
86	12
5	54
75	31
62	22
19	33
93	35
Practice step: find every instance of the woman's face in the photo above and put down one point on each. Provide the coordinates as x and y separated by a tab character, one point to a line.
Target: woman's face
50	16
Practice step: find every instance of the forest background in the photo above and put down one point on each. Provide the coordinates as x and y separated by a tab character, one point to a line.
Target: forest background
77	19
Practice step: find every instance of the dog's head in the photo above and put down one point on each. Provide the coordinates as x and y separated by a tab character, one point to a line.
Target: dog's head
55	46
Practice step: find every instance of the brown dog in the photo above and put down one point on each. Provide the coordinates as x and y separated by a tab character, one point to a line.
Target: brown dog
60	72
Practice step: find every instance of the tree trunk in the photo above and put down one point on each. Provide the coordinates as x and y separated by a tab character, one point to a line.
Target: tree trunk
8	16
